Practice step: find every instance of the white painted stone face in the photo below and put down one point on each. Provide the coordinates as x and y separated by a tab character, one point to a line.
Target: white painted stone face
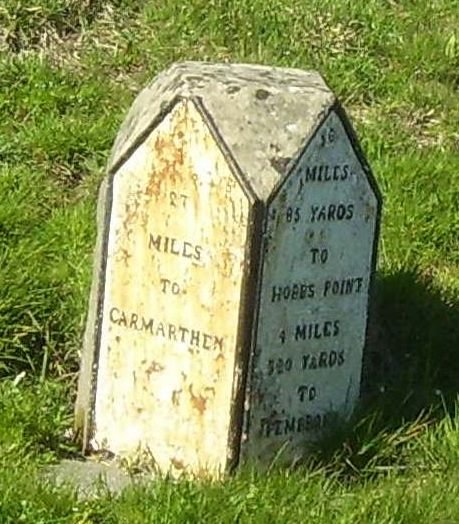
318	248
175	254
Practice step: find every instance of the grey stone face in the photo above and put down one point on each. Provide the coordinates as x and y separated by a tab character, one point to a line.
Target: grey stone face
237	236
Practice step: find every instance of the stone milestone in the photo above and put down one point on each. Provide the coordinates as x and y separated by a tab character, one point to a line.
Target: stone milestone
238	225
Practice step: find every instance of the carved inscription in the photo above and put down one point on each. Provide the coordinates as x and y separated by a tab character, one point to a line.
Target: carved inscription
318	243
158	328
174	246
321	360
281	427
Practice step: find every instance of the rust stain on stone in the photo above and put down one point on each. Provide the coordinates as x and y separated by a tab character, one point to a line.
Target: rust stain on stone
178	464
154	367
124	256
197	401
220	361
131	210
211	391
153	187
170	152
176	396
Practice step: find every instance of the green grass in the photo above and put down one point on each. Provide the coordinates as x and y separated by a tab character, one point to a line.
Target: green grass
69	71
404	475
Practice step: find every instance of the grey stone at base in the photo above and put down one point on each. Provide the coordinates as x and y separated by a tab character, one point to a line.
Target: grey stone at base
89	477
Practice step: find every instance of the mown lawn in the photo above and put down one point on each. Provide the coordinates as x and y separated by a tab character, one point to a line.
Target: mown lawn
69	70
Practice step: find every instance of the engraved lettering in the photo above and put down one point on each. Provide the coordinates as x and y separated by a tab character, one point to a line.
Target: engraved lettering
319	255
282	336
114	315
290	425
177	199
174	246
306	393
155	242
285	426
206	343
296	291
331	212
184	333
317	330
160	330
147	326
187	250
122	320
166	330
345	286
168	286
279	366
194	340
328	137
293	214
218	343
133	322
324	173
324	360
164	284
172	332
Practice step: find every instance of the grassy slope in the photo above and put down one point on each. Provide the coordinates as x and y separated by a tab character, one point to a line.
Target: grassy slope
68	72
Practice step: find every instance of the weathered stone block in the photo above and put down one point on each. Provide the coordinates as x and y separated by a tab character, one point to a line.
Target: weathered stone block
238	225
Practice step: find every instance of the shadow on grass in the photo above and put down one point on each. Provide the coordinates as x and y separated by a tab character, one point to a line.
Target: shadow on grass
410	376
412	357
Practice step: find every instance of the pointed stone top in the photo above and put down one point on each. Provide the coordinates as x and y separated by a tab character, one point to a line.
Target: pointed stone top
265	114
